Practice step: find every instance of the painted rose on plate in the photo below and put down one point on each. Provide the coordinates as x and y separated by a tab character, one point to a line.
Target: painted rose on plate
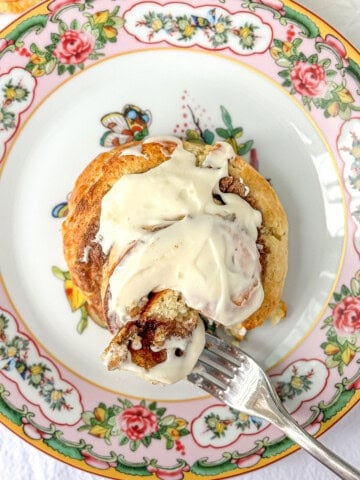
137	422
347	315
343	326
309	80
74	47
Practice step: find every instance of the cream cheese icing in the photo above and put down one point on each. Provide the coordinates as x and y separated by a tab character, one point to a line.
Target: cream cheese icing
182	238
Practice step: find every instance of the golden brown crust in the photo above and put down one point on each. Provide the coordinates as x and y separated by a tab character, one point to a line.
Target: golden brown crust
273	237
90	268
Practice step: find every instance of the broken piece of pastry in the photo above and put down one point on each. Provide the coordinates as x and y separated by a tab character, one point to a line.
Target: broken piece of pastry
162	231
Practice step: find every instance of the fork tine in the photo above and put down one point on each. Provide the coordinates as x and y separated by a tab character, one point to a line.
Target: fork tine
221	348
218	362
216	366
205	384
212	371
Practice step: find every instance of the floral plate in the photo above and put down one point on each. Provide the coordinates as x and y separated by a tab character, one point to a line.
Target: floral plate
76	78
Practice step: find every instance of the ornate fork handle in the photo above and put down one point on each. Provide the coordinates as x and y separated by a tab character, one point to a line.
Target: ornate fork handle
268	406
229	374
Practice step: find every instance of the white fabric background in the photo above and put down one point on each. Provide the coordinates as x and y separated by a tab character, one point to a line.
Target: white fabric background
20	461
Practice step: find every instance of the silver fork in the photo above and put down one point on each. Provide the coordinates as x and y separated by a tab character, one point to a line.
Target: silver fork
232	376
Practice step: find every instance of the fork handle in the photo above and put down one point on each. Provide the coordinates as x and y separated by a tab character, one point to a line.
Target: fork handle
288	425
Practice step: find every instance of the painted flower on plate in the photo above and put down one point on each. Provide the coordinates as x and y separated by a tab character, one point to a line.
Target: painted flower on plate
346	315
74	47
137	422
343	326
308	79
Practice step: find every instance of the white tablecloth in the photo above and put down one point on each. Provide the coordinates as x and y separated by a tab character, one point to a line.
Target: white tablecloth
20	461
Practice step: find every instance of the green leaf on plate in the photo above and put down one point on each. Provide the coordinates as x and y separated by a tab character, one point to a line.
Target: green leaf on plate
169	443
222	133
226	117
237	132
296	43
160	411
313	59
134	445
286	83
354	69
146	441
274	449
244	148
152	406
203	467
8	412
55	37
132	468
123	440
337	297
61	69
74	25
284	73
208	137
308	27
66	450
36	23
325	62
341	402
345	291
